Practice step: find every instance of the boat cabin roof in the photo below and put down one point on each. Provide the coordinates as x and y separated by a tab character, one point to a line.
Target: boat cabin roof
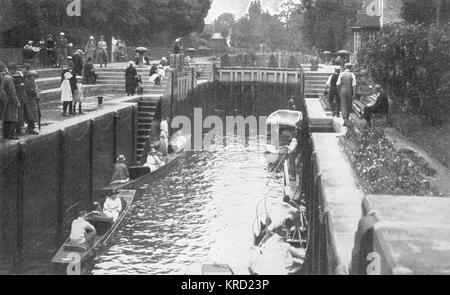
285	117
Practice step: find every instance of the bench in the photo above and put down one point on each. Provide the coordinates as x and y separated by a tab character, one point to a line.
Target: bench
360	104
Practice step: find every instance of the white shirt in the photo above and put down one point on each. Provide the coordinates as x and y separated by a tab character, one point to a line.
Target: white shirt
276	258
292	146
164	126
280	214
353	76
112	204
79	228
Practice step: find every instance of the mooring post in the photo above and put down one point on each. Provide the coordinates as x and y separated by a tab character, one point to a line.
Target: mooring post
91	162
61	184
18	263
115	118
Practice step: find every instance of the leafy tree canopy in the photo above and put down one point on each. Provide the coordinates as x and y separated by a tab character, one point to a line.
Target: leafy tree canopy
133	20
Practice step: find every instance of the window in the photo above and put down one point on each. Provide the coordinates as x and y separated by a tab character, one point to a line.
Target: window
356	41
372	36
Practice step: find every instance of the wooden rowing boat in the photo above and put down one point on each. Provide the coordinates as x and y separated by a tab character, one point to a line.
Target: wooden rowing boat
139	173
67	254
217	269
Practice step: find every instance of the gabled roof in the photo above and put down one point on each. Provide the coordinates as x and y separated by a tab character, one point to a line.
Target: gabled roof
365	21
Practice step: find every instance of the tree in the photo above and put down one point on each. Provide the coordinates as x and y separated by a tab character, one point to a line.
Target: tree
426	12
413	62
224	24
135	20
326	22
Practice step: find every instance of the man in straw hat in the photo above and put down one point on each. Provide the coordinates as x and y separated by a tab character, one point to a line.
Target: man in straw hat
347	90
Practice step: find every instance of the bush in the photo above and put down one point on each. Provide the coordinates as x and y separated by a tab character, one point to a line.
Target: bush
413	62
381	168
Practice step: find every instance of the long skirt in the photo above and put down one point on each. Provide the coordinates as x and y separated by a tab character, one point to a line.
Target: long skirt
346	94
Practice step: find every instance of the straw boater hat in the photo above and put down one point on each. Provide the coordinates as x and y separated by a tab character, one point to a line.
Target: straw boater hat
62	34
91	38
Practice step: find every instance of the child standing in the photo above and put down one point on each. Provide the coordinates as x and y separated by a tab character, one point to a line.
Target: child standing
66	93
78	96
140	87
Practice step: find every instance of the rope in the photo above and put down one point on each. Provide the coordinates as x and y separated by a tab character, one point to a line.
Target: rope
82	136
107	127
7	163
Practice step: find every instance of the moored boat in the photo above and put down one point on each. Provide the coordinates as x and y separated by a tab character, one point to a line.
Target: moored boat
70	254
282	125
178	144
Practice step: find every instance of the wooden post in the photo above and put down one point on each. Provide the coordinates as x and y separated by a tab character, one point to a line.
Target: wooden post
115	118
91	162
18	263
133	132
61	184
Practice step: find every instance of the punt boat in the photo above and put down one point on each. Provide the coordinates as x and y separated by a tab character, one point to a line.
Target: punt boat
281	126
106	228
69	253
298	237
217	269
138	173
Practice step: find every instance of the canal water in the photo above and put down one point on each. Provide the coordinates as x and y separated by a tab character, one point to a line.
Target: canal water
200	212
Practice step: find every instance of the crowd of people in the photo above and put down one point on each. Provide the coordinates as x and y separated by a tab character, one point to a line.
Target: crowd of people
51	52
133	81
19	101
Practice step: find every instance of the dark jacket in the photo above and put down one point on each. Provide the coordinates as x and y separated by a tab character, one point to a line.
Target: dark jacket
77	59
130	79
9	110
382	104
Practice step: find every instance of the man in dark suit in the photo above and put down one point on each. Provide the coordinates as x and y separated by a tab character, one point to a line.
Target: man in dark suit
381	106
9	104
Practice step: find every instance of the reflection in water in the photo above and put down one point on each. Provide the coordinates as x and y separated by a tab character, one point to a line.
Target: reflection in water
200	212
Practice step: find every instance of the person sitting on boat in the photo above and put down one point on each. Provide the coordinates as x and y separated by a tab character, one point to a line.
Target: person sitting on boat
282	212
120	174
153	161
292	151
276	256
112	206
164	127
162	145
82	232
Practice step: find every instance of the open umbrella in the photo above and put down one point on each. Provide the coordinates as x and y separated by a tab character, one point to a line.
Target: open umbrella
343	52
192	50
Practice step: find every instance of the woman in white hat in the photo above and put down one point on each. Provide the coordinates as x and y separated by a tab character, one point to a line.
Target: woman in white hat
66	92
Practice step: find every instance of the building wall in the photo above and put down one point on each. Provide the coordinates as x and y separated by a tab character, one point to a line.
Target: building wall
391	12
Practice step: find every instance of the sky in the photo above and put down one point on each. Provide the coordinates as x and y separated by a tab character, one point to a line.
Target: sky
238	7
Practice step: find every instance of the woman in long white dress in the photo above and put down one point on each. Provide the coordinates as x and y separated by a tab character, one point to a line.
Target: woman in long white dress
66	92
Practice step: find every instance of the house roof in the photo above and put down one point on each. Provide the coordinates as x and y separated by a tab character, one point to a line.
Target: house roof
365	21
